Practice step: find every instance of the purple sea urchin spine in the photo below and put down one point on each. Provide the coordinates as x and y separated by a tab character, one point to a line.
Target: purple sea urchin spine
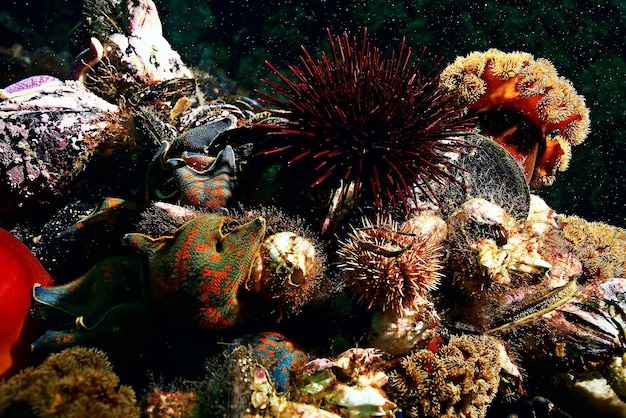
358	120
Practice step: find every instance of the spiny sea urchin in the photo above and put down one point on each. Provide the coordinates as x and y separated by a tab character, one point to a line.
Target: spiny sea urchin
362	123
389	268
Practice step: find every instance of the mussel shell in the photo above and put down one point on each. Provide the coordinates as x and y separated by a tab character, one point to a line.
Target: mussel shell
489	171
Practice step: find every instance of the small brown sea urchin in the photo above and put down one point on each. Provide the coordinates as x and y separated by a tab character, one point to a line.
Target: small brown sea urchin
389	269
360	122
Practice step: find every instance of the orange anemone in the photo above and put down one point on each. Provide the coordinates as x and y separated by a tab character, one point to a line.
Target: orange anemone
523	105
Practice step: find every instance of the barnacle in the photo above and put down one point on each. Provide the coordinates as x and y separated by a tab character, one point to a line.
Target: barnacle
349	385
398	333
239	387
291	266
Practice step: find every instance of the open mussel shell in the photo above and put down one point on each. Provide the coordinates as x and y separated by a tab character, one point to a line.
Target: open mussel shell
487	170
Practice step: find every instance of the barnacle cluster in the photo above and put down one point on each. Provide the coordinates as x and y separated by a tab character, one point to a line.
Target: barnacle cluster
498	265
348	385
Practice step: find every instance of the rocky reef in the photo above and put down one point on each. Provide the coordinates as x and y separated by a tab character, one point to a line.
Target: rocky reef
363	240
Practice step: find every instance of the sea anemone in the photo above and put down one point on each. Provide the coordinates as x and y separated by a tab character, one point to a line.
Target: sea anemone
388	268
524	105
364	125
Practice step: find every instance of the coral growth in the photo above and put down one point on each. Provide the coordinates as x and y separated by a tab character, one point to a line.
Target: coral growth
461	379
77	382
176	403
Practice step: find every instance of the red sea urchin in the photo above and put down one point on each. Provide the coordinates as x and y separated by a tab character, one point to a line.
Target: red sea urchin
362	123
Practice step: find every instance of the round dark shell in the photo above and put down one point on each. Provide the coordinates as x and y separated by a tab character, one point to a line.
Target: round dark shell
487	170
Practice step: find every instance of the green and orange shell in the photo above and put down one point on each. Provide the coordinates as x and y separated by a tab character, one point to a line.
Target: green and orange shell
196	274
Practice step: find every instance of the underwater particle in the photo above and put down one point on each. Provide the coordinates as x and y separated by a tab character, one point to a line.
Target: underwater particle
600	247
19	271
77	382
524	105
461	379
356	120
389	269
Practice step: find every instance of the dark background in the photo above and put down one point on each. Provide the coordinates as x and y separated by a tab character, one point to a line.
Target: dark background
584	39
